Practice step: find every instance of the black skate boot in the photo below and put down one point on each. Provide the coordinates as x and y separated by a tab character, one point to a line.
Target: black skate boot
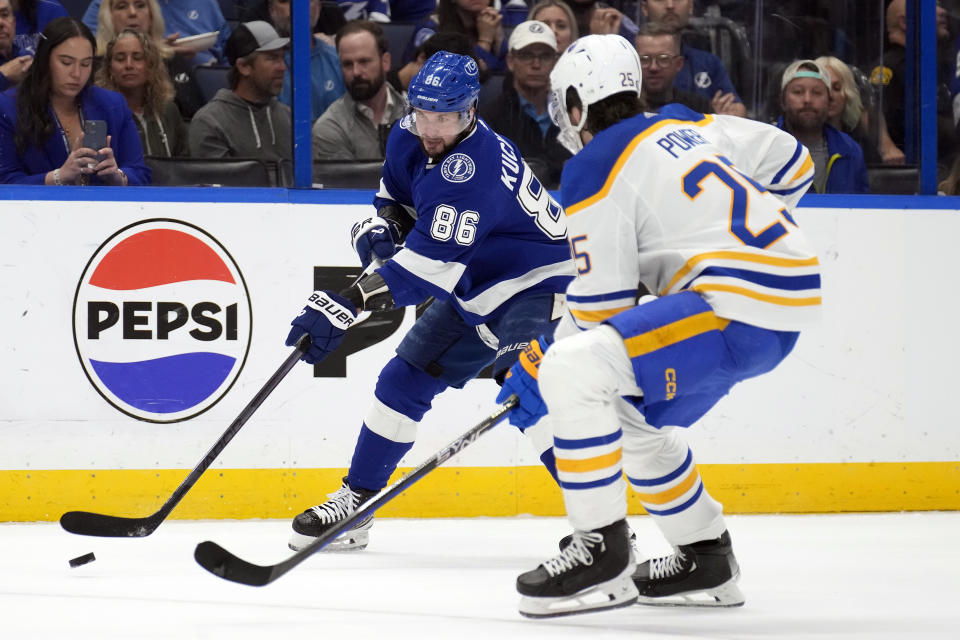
702	574
590	574
312	523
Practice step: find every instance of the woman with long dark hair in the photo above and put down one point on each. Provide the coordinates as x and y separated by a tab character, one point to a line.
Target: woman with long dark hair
42	124
133	67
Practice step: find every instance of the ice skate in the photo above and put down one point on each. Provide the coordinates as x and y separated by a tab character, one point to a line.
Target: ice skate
312	523
592	573
702	574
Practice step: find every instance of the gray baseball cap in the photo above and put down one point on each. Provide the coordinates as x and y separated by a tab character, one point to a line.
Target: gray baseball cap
249	37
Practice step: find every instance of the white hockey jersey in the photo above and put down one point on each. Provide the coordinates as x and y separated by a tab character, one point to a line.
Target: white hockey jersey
681	200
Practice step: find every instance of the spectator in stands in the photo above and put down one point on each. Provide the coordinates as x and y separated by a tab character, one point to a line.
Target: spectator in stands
520	113
247	120
183	18
805	103
356	126
702	71
387	10
451	41
558	15
326	81
133	67
144	16
950	185
42	121
848	114
891	75
477	19
32	17
595	17
14	63
660	60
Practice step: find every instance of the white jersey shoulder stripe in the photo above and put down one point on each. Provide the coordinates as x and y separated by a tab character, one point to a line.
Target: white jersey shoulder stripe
625	156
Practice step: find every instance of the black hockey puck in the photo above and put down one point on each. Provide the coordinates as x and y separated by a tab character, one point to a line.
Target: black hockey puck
82	560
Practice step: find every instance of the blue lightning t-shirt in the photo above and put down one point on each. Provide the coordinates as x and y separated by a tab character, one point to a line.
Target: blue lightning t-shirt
486	230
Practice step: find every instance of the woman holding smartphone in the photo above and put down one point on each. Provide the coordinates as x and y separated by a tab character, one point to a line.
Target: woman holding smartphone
43	123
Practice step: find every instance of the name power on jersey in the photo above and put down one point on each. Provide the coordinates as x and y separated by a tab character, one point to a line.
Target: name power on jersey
162	320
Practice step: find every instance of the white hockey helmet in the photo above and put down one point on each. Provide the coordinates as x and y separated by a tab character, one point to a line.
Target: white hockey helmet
596	67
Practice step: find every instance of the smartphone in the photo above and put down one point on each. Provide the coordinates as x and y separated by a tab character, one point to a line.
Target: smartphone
95	135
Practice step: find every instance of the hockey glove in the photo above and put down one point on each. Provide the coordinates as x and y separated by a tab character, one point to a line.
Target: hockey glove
522	381
375	238
326	319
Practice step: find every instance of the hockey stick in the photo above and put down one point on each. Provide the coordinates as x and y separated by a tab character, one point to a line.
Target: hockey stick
221	562
96	524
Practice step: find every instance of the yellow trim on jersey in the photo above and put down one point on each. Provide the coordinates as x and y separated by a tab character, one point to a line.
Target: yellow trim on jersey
756	295
674	332
596	316
622	160
807	164
590	464
772	260
671	494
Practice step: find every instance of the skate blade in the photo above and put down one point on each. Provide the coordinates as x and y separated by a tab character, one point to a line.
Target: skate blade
726	595
353	540
613	594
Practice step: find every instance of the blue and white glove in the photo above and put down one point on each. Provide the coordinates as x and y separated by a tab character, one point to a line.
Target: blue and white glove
521	380
375	238
326	319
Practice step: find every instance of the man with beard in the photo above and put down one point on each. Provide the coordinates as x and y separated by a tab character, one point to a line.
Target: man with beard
326	83
462	219
247	120
837	158
355	127
520	113
660	59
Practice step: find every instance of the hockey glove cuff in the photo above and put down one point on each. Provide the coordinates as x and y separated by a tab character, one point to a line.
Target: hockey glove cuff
521	380
326	319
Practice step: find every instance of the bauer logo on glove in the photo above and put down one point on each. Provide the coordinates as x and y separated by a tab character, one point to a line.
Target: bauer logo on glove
532	356
338	315
325	319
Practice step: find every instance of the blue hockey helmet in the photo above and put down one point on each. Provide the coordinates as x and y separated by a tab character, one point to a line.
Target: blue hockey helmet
446	82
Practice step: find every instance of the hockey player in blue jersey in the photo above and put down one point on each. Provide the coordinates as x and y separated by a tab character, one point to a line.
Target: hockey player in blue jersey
697	209
461	218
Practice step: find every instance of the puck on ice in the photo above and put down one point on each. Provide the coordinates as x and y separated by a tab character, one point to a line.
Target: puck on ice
82	560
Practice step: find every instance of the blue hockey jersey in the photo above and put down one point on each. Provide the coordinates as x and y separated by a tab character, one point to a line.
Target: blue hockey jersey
486	230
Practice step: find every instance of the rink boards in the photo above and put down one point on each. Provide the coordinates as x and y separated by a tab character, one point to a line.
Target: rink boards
134	332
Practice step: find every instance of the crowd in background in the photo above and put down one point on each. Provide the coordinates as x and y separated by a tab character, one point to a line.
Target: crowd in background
138	67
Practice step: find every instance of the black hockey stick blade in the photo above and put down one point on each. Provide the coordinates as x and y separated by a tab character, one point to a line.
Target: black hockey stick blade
86	523
224	564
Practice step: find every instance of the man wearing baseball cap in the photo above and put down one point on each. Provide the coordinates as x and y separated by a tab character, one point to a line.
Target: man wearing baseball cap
247	120
804	101
520	113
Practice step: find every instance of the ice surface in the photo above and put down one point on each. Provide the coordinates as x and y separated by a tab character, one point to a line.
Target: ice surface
811	577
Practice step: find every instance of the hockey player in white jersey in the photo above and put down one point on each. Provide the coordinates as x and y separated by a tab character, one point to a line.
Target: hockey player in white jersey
460	218
697	210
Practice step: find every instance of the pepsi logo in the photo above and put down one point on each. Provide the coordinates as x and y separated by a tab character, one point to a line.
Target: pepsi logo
162	320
